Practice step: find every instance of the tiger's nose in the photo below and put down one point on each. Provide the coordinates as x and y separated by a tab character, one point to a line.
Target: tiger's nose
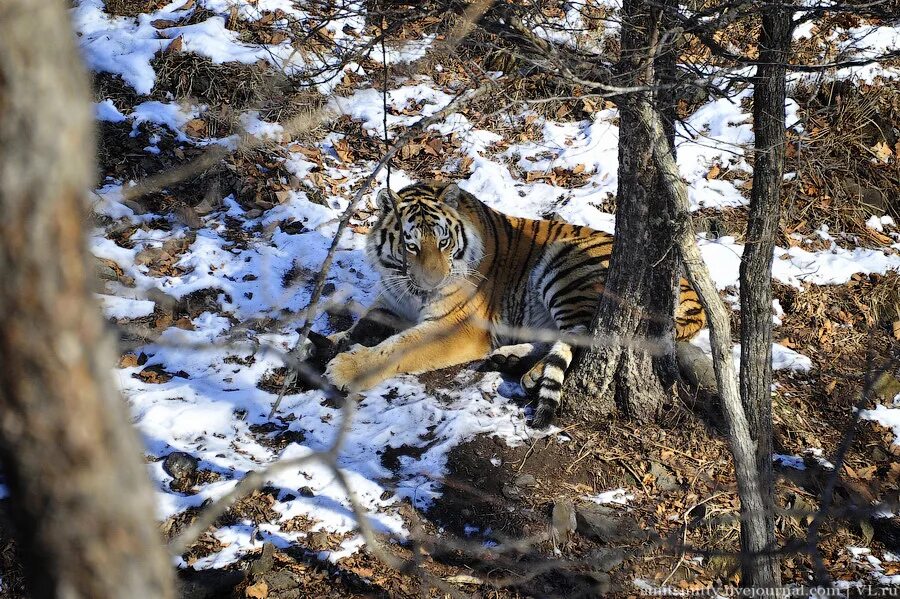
431	280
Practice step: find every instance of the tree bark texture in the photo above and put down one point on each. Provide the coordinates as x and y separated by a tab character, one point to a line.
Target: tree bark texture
758	537
666	68
741	441
633	375
79	491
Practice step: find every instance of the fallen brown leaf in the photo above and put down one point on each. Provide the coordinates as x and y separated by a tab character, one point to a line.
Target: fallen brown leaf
175	45
195	127
128	361
343	151
260	590
882	151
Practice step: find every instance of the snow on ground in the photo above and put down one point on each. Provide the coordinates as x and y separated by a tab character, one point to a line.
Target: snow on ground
888	417
865	554
869	43
167	114
783	358
213	407
121	307
125	46
811	454
615	496
796	266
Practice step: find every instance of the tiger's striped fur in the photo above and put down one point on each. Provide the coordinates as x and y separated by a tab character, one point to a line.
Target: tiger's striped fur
466	276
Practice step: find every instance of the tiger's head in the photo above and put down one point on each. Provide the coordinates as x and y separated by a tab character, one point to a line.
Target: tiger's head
421	241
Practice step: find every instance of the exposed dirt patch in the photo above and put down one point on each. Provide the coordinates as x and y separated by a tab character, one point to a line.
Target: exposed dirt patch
273	381
276	436
678	474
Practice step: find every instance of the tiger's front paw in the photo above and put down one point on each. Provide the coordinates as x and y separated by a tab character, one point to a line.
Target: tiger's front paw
513	360
353	370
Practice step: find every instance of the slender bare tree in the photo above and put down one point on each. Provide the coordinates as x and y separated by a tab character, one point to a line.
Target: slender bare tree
79	491
760	567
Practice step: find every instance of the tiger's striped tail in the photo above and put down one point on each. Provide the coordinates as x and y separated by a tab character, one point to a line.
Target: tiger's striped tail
545	380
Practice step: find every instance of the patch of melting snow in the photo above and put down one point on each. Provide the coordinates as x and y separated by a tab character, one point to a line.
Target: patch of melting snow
796	266
410	51
120	307
125	46
818	454
366	105
789	461
869	42
616	496
255	126
783	358
885	416
864	555
107	111
799	462
777	312
169	114
880	222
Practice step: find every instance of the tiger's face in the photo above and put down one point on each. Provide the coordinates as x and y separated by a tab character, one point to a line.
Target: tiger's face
420	241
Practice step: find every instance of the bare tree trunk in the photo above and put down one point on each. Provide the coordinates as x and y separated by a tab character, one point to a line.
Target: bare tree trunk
743	446
78	488
637	306
758	535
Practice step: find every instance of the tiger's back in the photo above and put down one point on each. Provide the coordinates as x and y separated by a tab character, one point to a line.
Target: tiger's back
545	274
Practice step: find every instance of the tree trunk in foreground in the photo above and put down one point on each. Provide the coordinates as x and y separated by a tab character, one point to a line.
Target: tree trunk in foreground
761	568
633	368
743	446
79	492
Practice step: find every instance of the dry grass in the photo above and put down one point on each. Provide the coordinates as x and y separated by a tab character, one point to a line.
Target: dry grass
109	86
846	163
884	299
132	8
238	85
230	87
835	324
724	222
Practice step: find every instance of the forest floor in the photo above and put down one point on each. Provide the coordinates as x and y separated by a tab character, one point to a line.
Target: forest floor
206	278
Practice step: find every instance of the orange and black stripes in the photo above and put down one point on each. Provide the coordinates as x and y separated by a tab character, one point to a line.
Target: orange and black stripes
514	272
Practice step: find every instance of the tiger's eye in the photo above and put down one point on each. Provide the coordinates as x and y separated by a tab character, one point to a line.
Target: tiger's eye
411	247
445	243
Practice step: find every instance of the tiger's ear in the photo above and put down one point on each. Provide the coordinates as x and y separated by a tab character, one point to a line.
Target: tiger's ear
386	200
451	195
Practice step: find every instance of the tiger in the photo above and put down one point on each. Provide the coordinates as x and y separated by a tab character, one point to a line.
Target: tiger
460	281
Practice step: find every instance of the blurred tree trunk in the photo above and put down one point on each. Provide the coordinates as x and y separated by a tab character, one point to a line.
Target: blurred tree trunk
79	493
635	374
760	566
